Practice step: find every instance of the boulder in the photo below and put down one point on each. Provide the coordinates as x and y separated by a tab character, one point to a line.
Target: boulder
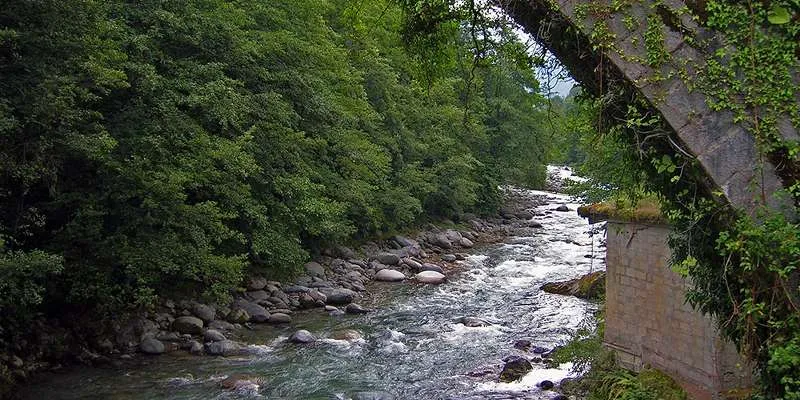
522	344
279	318
515	368
238	316
338	296
412	264
152	346
187	324
545	385
441	240
388	258
431	277
204	312
302	336
256	312
223	348
296	289
473	322
563	208
431	267
222	325
314	269
589	286
453	235
257	295
318	296
213	335
449	257
464	242
348	335
404	241
195	347
389	275
354	308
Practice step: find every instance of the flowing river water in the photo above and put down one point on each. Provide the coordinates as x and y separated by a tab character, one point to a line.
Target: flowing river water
413	345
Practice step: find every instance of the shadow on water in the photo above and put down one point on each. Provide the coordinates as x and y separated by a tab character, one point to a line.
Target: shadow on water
413	346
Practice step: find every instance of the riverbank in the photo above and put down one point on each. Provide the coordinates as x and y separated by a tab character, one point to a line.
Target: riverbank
334	284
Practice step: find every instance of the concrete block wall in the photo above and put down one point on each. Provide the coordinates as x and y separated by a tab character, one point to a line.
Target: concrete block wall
648	321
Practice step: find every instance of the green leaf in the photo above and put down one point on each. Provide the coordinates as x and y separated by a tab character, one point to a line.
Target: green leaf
779	15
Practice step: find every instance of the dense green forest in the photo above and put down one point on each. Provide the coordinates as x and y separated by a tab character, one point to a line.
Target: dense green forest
167	147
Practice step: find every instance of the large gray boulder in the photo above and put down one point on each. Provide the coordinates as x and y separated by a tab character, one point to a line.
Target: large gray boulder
389	275
388	258
338	296
441	240
431	267
152	346
213	335
204	312
315	269
256	312
190	325
279	318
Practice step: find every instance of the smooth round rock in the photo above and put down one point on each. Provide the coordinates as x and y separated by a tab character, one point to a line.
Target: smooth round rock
431	267
279	318
354	308
389	275
449	257
302	336
187	324
431	277
338	296
388	258
546	385
213	335
152	346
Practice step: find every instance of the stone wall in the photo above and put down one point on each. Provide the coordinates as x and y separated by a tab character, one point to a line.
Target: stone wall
649	323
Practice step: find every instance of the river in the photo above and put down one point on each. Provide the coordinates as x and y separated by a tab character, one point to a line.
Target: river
413	346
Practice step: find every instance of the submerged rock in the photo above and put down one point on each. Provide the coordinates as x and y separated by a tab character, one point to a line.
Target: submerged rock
302	336
279	318
373	396
546	385
590	286
223	348
354	308
473	322
348	335
213	335
515	368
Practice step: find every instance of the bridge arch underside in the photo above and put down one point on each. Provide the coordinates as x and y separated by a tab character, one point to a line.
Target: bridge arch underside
725	150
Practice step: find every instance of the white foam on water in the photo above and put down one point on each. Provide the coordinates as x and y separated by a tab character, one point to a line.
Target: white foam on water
530	380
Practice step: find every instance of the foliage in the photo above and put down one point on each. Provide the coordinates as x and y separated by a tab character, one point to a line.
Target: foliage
165	148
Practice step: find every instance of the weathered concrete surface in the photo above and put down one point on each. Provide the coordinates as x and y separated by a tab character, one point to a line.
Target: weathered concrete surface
648	321
726	150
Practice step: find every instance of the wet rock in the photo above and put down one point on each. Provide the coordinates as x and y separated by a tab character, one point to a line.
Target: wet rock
314	269
449	257
432	267
515	367
560	397
534	224
222	325
348	335
296	289
318	296
412	264
545	385
430	277
195	347
442	241
204	312
522	344
302	336
473	322
590	286
279	318
336	313
213	335
563	208
223	348
338	296
257	295
256	312
373	396
241	382
538	350
238	316
354	308
464	242
186	324
152	346
389	275
388	258
453	235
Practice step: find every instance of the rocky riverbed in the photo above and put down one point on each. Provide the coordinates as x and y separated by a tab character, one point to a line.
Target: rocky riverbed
441	314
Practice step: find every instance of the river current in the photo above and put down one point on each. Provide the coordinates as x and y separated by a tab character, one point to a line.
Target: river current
413	345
